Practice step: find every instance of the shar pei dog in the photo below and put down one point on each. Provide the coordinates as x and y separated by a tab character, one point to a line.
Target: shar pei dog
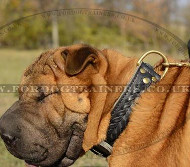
56	127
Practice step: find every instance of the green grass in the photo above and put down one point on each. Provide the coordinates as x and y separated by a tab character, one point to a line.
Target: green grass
12	65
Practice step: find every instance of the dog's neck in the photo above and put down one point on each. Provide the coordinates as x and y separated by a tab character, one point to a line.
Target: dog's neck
145	114
119	73
155	111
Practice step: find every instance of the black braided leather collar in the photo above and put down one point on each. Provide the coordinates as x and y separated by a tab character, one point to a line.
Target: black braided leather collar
141	80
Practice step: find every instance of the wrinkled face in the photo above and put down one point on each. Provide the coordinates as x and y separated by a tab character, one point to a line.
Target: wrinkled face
45	127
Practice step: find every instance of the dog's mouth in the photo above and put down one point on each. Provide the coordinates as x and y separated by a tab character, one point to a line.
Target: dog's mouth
49	145
40	155
72	152
61	153
36	156
28	165
63	160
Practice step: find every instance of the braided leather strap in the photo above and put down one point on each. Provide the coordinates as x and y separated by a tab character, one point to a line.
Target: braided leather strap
142	79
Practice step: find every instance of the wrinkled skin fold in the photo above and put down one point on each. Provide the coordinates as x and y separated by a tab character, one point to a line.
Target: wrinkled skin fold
40	143
42	127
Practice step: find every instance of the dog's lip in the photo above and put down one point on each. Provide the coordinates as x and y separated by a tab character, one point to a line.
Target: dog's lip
28	165
31	162
59	162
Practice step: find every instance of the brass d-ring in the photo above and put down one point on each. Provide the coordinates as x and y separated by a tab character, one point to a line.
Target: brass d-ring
158	53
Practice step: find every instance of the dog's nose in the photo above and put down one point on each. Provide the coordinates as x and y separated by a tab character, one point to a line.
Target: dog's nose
9	125
7	133
7	138
8	130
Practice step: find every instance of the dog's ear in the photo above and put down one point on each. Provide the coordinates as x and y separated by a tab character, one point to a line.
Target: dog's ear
77	61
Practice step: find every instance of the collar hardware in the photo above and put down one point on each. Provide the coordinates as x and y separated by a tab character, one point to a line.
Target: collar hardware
103	149
180	64
157	53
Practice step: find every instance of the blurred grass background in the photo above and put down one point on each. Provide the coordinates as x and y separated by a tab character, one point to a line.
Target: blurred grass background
20	45
12	64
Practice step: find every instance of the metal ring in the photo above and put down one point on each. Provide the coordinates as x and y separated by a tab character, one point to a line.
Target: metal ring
158	53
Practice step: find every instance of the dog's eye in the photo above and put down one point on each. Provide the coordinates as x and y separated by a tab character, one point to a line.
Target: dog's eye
41	97
42	94
65	54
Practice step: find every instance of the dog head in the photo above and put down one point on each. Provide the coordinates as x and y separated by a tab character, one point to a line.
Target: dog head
46	126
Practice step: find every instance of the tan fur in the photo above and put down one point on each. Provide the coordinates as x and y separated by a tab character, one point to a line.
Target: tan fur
157	134
159	129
